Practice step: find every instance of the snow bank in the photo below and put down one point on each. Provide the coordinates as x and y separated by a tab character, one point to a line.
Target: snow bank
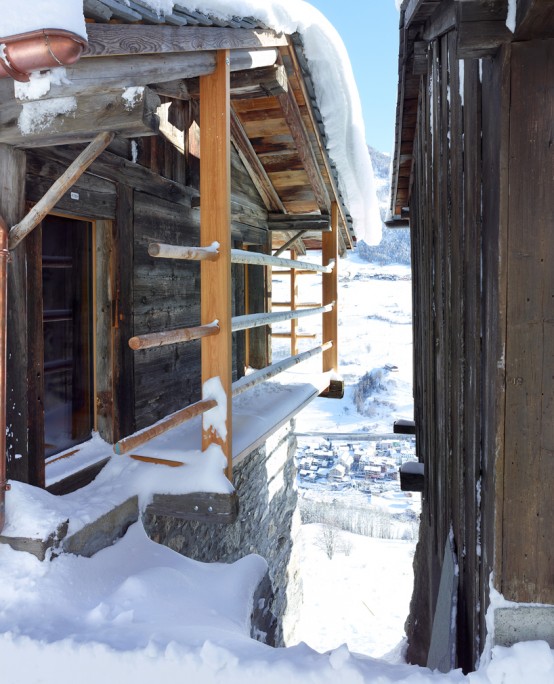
30	15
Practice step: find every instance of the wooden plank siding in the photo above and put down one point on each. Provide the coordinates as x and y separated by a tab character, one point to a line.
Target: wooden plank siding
445	219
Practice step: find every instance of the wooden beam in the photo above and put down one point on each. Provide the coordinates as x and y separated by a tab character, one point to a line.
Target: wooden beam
162	339
441	21
132	39
330	254
163	251
303	144
317	222
178	418
481	27
79	120
253	166
293	321
170	72
239	256
12	209
59	188
215	226
534	19
258	319
205	507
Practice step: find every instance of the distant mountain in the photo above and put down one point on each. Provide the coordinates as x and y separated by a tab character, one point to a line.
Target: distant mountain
394	247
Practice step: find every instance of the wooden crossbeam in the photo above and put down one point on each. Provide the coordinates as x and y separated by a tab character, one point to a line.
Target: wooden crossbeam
81	123
133	39
259	319
142	436
316	222
255	378
239	256
162	339
59	188
164	251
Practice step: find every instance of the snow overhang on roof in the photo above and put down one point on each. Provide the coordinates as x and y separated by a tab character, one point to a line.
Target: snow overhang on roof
334	163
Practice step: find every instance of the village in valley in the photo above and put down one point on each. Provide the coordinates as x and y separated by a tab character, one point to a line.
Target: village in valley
370	466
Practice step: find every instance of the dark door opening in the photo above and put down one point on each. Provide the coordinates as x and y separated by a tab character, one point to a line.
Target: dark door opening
68	332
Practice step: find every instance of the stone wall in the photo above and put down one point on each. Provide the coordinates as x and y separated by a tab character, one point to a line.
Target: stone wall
266	525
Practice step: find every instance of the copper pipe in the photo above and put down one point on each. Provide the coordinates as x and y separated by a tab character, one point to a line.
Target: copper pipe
37	51
4	254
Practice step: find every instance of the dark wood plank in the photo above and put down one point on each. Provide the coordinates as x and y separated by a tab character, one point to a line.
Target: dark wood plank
123	316
528	556
205	507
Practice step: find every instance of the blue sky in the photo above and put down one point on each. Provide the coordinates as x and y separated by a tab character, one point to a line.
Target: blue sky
369	29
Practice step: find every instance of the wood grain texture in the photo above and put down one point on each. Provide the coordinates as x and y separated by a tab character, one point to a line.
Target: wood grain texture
215	226
133	39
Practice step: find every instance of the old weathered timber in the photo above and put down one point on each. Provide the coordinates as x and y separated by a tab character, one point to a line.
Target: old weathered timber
204	507
51	198
79	121
161	339
258	319
162	251
134	39
316	222
215	194
137	439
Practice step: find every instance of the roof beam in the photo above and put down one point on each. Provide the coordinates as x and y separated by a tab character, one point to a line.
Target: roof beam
317	222
91	115
98	75
253	166
295	122
135	39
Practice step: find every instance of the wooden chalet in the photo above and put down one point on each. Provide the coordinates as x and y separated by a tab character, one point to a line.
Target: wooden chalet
181	156
473	176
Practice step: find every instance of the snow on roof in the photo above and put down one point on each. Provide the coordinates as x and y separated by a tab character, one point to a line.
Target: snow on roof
335	87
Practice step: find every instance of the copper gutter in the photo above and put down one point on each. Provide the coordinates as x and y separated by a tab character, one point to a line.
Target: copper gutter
38	50
4	254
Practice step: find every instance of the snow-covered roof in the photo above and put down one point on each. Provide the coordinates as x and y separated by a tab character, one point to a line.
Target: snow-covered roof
325	65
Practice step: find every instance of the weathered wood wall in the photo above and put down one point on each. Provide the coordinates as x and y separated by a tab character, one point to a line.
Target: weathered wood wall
154	198
446	227
482	240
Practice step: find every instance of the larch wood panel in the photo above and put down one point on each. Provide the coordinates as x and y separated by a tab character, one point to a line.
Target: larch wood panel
330	251
215	193
528	557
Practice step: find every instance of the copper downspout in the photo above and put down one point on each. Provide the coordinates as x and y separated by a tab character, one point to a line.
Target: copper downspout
4	254
37	51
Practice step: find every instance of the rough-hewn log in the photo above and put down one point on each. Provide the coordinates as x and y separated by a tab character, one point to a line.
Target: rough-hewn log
162	339
256	320
142	436
132	39
163	251
79	121
59	188
255	378
239	256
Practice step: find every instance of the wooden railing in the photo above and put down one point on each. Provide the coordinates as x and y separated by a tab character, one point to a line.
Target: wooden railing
216	257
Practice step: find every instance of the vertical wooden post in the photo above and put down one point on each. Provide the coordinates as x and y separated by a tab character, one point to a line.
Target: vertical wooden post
215	226
330	251
12	209
293	297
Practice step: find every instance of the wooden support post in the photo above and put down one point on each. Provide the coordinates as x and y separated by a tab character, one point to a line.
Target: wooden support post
293	296
215	226
330	292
